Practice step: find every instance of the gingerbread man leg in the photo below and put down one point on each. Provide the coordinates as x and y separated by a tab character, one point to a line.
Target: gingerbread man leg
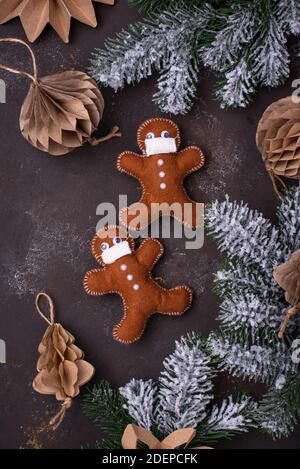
190	214
132	325
137	216
175	301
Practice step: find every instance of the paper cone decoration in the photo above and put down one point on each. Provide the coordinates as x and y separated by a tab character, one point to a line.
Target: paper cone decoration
278	139
36	14
61	366
287	276
61	111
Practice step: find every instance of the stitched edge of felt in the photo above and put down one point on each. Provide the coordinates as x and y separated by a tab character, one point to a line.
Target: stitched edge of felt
136	176
140	142
126	307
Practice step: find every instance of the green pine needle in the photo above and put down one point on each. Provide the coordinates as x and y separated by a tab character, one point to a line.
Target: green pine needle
154	6
105	407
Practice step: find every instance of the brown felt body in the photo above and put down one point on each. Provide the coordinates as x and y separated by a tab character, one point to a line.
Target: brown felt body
175	166
139	304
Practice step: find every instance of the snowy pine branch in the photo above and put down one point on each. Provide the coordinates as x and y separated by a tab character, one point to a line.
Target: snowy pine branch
253	305
269	54
289	12
180	399
248	48
251	310
185	386
140	397
177	85
280	408
164	44
243	233
237	277
244	42
289	221
231	415
253	355
238	29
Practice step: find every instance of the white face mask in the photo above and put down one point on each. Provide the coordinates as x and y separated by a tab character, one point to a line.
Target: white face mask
158	145
114	253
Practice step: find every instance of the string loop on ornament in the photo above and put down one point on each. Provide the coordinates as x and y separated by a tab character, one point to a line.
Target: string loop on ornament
274	179
51	307
115	132
58	418
19	72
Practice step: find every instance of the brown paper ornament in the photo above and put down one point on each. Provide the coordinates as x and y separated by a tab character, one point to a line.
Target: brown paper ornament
133	434
61	366
61	111
287	276
278	140
36	14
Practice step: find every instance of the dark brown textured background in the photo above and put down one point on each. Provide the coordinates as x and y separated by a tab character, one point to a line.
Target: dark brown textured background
48	216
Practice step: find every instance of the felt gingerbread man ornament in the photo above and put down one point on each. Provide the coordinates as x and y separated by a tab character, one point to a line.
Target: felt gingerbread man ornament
161	171
127	272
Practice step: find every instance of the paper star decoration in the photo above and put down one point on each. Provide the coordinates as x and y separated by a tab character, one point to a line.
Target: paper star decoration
36	14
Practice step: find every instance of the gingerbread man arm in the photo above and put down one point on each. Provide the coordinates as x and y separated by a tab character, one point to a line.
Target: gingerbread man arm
149	252
190	159
131	163
97	282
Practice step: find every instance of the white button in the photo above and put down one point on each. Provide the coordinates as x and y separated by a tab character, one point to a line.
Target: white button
136	286
160	162
163	185
129	277
123	266
161	174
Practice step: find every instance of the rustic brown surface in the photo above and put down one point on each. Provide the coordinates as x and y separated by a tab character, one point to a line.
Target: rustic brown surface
48	216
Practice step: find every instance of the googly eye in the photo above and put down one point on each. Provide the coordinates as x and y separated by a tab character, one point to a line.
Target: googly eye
104	246
150	135
165	134
117	240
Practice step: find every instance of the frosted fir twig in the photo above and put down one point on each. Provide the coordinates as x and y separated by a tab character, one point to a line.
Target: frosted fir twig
236	278
279	409
166	44
140	398
256	357
236	416
185	386
243	233
289	222
289	13
248	309
244	43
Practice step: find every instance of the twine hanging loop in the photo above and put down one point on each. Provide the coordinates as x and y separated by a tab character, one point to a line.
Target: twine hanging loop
50	305
33	77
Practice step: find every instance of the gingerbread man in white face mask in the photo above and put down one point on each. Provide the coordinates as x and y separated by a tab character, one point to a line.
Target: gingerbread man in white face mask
161	171
126	271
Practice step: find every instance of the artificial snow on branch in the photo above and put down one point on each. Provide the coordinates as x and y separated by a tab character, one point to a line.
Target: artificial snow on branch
180	399
140	396
165	44
252	304
280	407
244	42
185	386
231	415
